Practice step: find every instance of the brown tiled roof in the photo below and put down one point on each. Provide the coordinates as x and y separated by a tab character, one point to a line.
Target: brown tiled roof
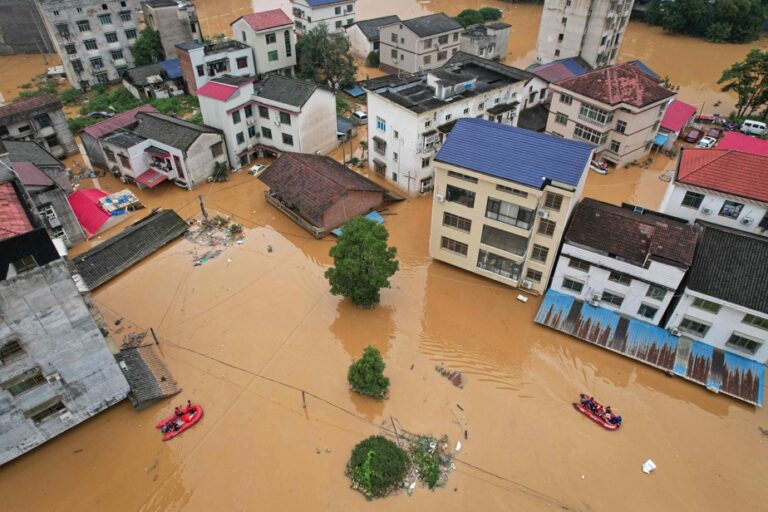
622	83
312	183
633	237
33	103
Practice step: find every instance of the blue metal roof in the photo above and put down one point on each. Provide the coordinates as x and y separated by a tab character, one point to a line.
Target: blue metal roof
574	66
355	91
172	68
515	154
318	3
640	64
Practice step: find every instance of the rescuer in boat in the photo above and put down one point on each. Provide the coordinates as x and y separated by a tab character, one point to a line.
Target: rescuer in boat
611	418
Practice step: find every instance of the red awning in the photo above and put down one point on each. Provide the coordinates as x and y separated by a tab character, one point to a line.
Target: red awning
151	178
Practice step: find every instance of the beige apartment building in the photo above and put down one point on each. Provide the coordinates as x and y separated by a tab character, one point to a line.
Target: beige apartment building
503	196
618	108
420	43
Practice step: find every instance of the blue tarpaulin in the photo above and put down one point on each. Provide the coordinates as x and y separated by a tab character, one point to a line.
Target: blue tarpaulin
374	216
660	139
172	68
355	91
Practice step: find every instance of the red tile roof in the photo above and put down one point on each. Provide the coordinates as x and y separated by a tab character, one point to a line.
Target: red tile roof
725	170
634	237
677	115
267	19
13	217
217	91
745	143
112	124
622	83
85	205
31	175
32	103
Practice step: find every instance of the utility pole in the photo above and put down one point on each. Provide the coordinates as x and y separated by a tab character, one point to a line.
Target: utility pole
202	206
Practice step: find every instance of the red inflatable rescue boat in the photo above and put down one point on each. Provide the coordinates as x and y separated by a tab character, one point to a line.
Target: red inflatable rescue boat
597	413
174	425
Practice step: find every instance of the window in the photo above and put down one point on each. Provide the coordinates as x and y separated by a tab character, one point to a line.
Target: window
615	146
380	145
272	55
553	201
266	133
602	41
272	38
10	351
570	284
560	37
251	132
578	264
27	380
52	141
200	71
692	200
116	54
453	246
350	7
97	63
130	33
534	275
350	21
394	156
55	13
561	118
557	53
442	39
425	162
620	277
43	121
381	124
498	265
647	311
393	53
428	43
612	298
448	117
111	37
460	176
338	24
217	149
393	38
547	227
285	118
240	138
395	134
236	116
288	46
77	65
656	292
743	343
79	9
442	55
90	44
511	190
242	62
288	139
456	36
248	110
694	327
125	16
83	26
42	413
509	213
621	126
539	253
24	263
564	21
263	112
457	222
427	124
104	7
706	305
124	161
461	196
595	114
504	240
427	59
731	209
565	99
105	19
588	134
761	323
70	49
337	10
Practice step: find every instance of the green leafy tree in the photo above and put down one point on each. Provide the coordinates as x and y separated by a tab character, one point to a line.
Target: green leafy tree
469	17
377	466
655	13
690	17
362	261
326	58
364	149
490	14
147	49
366	375
372	60
749	80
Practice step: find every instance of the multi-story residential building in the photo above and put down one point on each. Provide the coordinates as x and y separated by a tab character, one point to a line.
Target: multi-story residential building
722	186
590	29
270	34
334	14
202	62
364	35
175	21
92	37
91	135
489	41
626	259
276	115
426	42
725	300
408	117
503	196
618	108
55	368
40	119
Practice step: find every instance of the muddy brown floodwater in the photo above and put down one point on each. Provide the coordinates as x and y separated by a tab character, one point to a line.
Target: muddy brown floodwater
244	332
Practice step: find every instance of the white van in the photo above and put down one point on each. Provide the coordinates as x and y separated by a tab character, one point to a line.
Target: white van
751	127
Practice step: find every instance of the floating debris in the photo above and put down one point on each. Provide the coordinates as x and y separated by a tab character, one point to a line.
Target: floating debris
455	376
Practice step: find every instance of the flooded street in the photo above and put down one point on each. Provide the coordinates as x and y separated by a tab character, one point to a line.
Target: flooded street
16	70
245	332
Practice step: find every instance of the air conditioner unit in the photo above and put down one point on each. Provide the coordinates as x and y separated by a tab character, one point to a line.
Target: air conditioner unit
706	211
65	416
527	284
594	300
249	122
439	198
674	332
53	378
747	221
542	214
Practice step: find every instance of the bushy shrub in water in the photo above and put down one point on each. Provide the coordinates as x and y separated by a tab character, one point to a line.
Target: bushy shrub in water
377	466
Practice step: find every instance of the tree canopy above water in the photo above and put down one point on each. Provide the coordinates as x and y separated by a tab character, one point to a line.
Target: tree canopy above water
731	21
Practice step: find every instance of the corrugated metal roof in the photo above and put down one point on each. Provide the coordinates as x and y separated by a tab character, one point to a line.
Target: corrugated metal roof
515	154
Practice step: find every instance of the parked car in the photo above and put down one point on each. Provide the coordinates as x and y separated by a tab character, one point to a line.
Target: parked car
751	127
693	136
707	142
360	116
101	114
257	169
715	133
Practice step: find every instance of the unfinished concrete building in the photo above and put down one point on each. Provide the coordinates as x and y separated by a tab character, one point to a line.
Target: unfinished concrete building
40	119
22	29
590	29
489	41
176	22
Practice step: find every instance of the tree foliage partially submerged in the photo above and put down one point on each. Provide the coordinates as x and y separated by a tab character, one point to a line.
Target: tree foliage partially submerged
326	57
749	79
732	21
377	466
469	17
366	375
362	261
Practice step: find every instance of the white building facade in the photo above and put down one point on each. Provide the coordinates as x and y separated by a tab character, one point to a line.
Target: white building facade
420	43
203	62
334	14
270	34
